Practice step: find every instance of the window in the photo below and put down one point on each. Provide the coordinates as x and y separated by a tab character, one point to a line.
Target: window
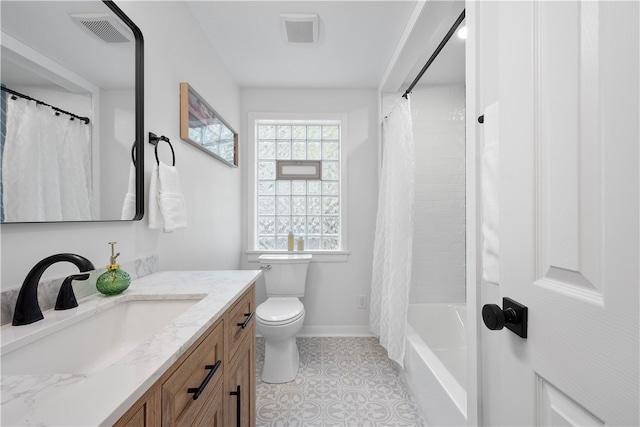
311	209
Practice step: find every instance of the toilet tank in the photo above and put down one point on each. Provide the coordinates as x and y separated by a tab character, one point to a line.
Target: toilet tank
285	274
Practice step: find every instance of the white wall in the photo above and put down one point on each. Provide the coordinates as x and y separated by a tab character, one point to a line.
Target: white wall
438	274
175	50
331	300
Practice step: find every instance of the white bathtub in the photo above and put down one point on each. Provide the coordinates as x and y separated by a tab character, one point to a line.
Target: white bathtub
435	361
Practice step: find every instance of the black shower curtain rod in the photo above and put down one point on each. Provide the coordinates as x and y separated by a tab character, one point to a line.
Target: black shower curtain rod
444	41
73	116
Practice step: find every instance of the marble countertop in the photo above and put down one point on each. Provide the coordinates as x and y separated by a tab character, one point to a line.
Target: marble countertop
102	397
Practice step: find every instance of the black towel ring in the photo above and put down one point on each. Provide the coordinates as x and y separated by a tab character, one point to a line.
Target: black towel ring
133	153
154	140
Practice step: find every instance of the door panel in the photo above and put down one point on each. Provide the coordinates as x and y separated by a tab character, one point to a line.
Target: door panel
569	248
569	158
557	409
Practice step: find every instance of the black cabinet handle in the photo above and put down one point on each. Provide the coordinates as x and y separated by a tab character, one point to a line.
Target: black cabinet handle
247	320
198	391
238	401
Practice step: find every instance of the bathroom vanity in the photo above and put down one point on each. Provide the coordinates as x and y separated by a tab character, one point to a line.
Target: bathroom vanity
212	383
205	350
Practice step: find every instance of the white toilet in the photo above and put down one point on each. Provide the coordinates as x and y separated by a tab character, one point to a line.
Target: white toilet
280	317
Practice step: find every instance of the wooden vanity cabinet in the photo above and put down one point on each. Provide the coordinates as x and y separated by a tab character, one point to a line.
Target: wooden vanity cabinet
146	412
187	392
240	387
240	374
230	344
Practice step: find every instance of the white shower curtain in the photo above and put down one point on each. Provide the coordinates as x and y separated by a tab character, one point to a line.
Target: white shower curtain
46	166
392	252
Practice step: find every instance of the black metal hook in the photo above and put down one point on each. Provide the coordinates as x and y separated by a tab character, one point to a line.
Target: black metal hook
155	139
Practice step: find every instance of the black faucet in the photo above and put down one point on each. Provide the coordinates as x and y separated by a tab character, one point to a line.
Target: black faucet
27	308
66	297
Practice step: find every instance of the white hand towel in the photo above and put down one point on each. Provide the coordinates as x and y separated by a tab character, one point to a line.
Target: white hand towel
490	196
170	198
155	216
129	205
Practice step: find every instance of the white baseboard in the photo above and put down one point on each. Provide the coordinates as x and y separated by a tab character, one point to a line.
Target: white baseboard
333	331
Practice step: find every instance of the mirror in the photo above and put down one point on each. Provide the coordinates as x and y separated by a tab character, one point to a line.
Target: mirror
72	112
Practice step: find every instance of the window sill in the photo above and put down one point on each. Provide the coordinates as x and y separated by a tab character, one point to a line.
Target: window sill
318	256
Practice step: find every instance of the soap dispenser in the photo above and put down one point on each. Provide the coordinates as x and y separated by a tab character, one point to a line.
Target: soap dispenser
114	280
290	241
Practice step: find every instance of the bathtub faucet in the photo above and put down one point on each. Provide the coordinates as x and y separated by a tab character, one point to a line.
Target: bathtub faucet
27	308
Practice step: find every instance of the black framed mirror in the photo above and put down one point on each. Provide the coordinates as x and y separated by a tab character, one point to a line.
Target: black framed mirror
72	112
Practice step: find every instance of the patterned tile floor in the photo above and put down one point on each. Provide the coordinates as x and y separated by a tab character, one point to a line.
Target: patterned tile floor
341	382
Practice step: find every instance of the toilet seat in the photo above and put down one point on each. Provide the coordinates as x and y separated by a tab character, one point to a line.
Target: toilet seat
279	311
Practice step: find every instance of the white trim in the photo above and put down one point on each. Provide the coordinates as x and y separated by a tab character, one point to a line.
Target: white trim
335	331
425	28
44	66
340	118
252	182
318	256
385	81
332	331
473	326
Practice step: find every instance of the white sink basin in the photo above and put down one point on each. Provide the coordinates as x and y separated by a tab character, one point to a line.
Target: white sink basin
94	342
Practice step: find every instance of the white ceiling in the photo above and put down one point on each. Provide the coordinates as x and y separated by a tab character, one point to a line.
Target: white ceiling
357	39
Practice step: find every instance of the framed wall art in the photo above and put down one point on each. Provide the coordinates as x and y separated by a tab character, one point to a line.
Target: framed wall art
202	127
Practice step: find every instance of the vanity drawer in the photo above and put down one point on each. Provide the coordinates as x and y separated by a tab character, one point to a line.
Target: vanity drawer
178	391
241	321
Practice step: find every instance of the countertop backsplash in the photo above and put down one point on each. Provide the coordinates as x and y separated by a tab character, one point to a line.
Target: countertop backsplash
48	289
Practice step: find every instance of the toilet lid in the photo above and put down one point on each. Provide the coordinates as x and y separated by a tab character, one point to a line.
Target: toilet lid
280	311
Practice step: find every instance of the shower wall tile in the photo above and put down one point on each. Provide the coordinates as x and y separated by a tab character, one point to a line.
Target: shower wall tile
442	204
439	241
439	194
439	213
438	293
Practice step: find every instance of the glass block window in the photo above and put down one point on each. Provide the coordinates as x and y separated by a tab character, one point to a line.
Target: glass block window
308	208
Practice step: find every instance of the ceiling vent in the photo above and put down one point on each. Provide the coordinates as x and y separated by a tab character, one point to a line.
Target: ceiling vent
299	28
103	26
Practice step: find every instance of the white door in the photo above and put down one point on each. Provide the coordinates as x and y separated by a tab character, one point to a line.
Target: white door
569	216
